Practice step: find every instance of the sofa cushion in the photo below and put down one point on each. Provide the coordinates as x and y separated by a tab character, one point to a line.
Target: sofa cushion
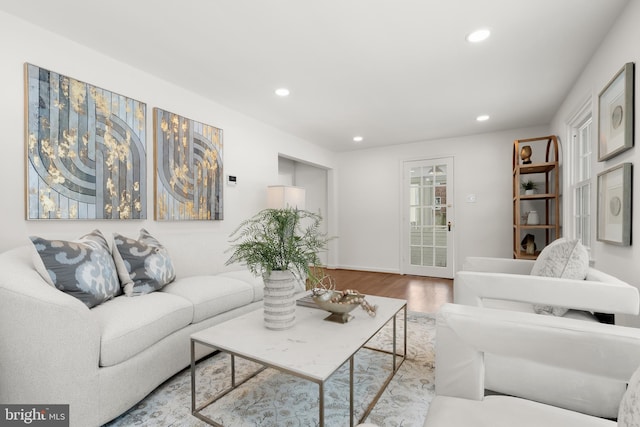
130	325
211	295
82	268
505	411
256	282
143	265
566	259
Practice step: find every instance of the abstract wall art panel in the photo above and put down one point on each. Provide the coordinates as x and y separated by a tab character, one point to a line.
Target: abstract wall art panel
85	149
188	168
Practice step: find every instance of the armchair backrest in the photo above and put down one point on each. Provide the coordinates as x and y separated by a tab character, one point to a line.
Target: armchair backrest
509	279
498	265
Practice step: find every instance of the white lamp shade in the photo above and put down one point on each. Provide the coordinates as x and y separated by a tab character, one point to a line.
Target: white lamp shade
285	196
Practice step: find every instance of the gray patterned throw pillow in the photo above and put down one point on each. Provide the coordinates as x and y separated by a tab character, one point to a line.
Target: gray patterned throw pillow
143	265
82	268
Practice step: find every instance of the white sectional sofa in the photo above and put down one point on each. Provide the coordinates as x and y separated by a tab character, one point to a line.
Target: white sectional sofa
103	360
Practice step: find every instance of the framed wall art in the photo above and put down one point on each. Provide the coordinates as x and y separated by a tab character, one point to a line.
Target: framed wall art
85	150
188	168
615	114
614	205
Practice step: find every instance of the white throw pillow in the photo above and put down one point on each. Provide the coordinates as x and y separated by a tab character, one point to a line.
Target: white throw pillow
565	259
629	412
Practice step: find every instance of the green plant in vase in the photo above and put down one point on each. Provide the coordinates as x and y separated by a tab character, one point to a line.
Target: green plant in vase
282	246
528	186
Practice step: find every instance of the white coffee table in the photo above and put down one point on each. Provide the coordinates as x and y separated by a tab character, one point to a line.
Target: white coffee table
313	349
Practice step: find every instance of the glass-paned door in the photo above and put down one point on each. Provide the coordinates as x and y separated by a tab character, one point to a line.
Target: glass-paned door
428	218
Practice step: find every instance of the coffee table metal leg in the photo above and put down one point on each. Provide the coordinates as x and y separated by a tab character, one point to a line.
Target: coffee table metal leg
394	341
404	352
196	409
193	377
351	414
321	403
233	371
395	355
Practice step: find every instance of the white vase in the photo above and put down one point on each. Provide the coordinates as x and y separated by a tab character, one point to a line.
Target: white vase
279	301
533	218
529	192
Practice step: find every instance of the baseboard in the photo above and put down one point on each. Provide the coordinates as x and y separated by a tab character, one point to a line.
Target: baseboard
360	268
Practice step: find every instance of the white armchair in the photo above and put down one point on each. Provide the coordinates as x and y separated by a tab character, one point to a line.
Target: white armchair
506	284
465	335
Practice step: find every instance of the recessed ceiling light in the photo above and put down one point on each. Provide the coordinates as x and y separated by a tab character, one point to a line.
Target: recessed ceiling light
483	118
283	91
478	35
357	139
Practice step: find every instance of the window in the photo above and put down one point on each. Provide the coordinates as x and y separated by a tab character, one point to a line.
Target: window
580	179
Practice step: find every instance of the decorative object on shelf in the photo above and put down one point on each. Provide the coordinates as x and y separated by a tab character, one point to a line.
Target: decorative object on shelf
533	218
282	245
341	303
616	112
529	187
86	155
188	175
529	244
525	154
614	205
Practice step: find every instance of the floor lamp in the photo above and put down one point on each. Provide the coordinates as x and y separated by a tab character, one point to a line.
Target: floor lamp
285	196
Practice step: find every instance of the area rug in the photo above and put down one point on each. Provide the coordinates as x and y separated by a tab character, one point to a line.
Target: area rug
275	399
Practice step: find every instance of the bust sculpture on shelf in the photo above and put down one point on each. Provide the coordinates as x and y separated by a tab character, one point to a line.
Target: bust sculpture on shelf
525	155
529	244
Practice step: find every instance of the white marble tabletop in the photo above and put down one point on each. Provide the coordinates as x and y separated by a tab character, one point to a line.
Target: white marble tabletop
313	348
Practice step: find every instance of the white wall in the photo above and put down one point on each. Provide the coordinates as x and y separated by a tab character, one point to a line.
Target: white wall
22	42
286	172
310	177
314	180
619	47
369	198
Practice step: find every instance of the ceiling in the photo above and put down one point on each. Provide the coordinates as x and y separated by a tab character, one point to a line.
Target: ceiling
392	71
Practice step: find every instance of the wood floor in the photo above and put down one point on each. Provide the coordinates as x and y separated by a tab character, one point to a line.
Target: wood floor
425	294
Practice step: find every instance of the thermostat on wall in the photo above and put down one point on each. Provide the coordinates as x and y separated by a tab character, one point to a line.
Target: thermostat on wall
231	180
